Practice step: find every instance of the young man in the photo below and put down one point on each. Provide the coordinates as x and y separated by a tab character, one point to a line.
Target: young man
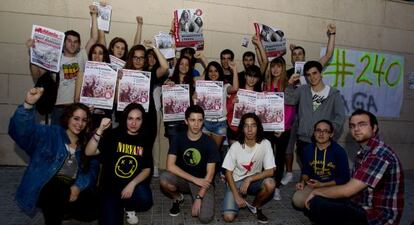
298	55
376	188
226	57
191	163
249	165
316	101
72	63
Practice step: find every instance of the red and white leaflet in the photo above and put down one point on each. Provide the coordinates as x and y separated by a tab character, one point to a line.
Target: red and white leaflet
273	40
210	97
104	16
188	27
98	86
270	109
48	46
175	100
116	63
246	104
134	87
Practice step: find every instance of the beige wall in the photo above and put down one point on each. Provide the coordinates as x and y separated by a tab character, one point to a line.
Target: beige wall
378	25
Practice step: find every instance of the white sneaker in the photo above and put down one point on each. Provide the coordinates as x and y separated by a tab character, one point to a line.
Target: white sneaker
156	172
287	178
276	195
131	217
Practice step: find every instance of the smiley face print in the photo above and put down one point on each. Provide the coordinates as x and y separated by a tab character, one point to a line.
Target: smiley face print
126	166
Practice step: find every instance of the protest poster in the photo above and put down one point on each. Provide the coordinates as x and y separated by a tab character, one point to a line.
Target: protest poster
246	104
299	70
273	40
175	100
268	106
188	28
116	63
104	16
270	109
164	43
210	97
134	86
48	47
372	81
98	85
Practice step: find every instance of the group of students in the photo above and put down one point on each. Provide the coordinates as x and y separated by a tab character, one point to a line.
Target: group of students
62	175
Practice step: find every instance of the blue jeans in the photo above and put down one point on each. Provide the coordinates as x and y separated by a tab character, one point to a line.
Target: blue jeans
112	206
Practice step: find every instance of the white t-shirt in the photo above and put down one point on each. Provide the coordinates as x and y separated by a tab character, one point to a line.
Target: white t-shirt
318	97
69	69
246	161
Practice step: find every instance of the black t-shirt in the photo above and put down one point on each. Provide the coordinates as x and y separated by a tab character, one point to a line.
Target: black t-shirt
242	78
124	156
193	156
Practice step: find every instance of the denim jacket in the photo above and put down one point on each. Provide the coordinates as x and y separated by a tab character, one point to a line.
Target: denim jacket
46	147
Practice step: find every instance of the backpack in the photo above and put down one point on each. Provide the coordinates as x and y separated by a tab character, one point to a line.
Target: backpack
47	101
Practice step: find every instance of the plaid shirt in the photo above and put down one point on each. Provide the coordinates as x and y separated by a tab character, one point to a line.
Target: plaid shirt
378	166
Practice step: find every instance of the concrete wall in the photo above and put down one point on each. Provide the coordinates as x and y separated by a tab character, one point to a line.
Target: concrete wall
377	25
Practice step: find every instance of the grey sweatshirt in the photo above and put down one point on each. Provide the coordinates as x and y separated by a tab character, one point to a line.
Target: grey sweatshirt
332	109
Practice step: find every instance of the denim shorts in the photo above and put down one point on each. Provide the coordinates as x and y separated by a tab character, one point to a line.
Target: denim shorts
230	205
218	128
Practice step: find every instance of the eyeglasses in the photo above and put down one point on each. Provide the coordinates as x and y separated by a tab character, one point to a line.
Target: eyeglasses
136	58
358	125
320	131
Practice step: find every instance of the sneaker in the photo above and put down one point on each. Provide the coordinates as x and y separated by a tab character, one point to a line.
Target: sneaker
131	217
175	209
276	195
261	218
156	172
287	178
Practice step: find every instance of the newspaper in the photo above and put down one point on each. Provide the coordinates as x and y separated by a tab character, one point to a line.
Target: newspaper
104	16
273	40
48	47
164	43
210	97
98	86
270	109
246	104
134	87
188	26
299	70
175	100
116	63
268	106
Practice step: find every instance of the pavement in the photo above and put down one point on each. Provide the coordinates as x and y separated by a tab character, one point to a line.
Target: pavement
278	212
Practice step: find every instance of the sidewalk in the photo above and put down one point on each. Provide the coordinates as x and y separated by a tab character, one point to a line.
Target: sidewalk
278	212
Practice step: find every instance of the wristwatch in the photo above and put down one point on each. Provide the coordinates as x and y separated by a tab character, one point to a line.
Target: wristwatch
199	197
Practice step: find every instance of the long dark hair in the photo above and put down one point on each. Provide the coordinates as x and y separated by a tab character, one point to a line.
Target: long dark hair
219	70
129	62
260	132
125	113
157	63
112	44
105	52
188	79
84	135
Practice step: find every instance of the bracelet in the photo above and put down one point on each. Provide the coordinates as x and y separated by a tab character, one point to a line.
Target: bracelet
199	197
99	135
333	33
28	103
96	139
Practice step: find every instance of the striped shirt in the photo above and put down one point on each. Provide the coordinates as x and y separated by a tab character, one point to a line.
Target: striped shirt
378	166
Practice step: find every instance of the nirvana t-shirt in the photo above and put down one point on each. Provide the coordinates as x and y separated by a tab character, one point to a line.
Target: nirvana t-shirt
69	69
318	97
193	156
124	156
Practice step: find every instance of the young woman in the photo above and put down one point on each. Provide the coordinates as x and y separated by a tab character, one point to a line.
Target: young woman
59	179
216	127
126	166
97	53
252	77
182	75
325	163
276	81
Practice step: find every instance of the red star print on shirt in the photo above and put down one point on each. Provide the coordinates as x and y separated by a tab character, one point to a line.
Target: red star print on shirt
248	167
